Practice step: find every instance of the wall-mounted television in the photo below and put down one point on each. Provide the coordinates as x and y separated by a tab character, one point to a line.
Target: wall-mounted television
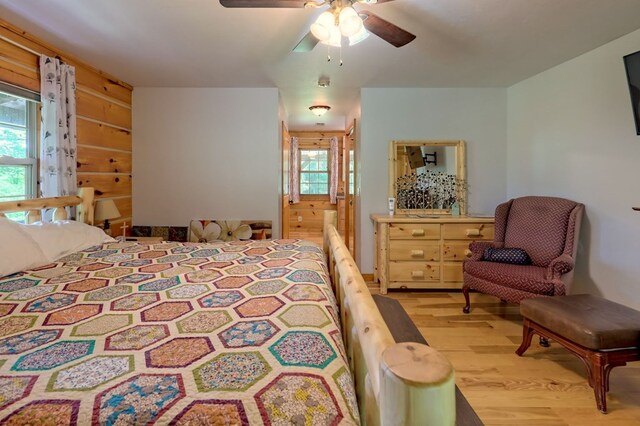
632	64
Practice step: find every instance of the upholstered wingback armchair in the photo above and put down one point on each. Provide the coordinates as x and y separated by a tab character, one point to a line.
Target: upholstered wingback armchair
547	228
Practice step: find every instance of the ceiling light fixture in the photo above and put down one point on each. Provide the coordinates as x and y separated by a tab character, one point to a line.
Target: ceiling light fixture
319	110
341	20
324	82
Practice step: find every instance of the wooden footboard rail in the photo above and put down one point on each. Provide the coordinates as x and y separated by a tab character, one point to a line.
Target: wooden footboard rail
396	383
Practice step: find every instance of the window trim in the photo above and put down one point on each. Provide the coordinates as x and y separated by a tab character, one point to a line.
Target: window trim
300	172
31	160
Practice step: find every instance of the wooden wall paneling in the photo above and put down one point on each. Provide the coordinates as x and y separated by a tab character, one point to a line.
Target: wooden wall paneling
99	160
104	114
318	202
311	212
33	43
286	191
102	110
124	206
19	75
103	85
102	135
18	55
106	185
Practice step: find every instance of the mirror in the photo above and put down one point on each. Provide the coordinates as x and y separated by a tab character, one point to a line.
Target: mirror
428	177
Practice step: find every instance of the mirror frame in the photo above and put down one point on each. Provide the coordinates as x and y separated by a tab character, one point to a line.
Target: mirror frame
461	171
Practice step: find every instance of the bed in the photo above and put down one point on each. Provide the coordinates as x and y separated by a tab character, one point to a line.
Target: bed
244	332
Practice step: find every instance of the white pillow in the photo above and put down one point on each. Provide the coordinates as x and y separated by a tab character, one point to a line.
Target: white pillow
60	238
18	251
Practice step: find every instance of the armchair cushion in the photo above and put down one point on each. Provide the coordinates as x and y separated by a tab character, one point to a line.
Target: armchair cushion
514	256
526	278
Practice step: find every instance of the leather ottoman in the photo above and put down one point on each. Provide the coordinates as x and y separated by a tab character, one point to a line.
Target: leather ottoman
602	333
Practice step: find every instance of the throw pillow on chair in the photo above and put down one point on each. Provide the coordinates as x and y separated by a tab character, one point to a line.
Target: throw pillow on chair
514	256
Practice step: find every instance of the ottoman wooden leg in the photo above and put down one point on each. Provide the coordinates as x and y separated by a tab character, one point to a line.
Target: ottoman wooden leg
600	378
527	335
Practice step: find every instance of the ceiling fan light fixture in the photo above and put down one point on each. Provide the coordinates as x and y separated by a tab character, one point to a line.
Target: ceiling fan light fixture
350	22
319	110
359	36
321	29
335	40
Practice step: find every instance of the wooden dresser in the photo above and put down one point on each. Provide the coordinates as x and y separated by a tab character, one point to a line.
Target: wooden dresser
426	253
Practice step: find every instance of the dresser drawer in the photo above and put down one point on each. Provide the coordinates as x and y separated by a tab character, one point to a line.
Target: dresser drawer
467	231
423	231
414	250
455	251
413	271
452	272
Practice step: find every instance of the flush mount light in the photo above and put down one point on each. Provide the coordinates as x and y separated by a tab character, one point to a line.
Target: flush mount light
324	82
319	110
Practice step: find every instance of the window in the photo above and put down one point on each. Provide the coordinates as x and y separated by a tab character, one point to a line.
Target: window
18	167
314	172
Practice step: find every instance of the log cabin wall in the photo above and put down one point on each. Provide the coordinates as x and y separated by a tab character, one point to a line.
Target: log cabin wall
311	207
104	116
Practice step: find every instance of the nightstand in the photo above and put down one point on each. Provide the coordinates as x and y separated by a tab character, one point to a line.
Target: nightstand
149	240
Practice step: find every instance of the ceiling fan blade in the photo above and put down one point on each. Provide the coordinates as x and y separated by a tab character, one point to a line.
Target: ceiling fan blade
263	3
386	30
306	44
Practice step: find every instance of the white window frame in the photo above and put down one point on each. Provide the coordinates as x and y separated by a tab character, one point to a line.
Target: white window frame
31	160
301	172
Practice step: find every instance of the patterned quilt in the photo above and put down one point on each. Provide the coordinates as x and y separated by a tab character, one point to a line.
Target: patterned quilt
175	333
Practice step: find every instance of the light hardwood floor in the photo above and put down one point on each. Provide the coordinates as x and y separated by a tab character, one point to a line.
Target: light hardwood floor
547	386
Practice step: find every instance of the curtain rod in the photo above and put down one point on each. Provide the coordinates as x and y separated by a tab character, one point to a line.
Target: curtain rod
15	43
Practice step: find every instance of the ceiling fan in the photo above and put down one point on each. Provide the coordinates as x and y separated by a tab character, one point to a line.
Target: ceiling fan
339	20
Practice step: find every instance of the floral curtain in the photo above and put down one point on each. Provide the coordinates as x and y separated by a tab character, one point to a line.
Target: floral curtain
333	171
294	172
58	141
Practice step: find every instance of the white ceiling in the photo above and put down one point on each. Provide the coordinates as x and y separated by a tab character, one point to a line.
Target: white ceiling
198	43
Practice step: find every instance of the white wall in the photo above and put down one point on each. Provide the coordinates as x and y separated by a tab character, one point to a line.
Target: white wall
477	116
205	153
571	134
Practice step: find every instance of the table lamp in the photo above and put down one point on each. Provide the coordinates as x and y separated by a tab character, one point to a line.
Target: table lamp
106	210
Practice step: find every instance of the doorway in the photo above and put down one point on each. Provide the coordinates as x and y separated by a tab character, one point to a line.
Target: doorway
304	219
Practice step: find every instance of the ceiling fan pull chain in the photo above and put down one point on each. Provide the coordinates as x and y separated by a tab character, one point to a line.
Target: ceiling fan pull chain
340	54
328	53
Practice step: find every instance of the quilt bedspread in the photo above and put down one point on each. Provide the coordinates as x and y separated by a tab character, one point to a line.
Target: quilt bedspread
175	333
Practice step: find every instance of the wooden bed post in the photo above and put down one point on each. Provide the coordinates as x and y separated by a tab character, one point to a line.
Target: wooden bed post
417	386
84	211
396	383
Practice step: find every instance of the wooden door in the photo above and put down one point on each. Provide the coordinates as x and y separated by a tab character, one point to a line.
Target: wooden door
286	153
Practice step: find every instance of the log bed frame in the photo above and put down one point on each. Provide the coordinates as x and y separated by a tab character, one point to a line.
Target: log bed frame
396	383
83	201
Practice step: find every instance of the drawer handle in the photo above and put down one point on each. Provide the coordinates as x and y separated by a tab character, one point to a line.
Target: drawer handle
473	232
417	253
417	232
417	274
468	253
